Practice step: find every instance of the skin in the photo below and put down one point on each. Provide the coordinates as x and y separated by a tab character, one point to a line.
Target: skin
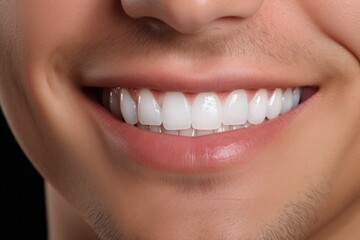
304	185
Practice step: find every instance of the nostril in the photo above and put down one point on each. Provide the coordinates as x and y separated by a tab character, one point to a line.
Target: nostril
189	16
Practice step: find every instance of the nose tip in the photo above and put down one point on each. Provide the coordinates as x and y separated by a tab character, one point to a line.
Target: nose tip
189	16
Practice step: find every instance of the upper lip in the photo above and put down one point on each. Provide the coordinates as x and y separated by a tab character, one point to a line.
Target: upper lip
214	78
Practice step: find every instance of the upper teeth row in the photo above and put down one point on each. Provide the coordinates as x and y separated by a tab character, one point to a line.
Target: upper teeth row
206	112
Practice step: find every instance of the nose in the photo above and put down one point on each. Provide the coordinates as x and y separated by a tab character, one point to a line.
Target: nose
190	16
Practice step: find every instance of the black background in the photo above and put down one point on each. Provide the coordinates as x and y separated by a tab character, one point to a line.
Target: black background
22	196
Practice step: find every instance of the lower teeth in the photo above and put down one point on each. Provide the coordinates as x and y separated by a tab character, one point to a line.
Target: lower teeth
191	132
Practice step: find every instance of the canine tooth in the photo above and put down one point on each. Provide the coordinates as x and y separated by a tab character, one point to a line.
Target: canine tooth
115	103
258	107
296	97
188	132
206	112
176	111
235	109
286	102
128	107
149	111
274	104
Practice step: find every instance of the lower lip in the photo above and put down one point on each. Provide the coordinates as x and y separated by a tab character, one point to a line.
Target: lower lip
191	154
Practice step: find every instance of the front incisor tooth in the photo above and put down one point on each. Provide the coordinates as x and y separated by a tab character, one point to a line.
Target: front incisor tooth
206	112
235	110
128	107
176	111
274	104
258	107
149	111
286	102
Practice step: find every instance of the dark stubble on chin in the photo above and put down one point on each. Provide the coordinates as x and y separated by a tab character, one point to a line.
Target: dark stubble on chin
297	220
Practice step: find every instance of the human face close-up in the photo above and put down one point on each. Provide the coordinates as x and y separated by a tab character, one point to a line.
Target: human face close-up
165	119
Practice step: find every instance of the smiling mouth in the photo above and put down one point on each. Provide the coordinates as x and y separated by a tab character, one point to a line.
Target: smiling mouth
192	123
198	114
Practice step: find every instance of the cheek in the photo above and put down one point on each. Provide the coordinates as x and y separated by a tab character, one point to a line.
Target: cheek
339	20
31	32
47	25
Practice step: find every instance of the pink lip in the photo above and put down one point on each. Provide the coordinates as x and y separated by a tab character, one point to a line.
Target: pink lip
191	154
221	77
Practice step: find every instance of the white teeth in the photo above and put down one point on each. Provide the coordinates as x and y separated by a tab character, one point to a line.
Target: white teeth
223	128
155	129
204	132
188	132
235	110
149	111
170	132
296	97
245	125
176	111
128	107
206	112
258	107
274	104
286	103
115	103
139	125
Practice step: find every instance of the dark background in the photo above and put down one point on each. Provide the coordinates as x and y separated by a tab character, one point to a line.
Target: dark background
22	197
